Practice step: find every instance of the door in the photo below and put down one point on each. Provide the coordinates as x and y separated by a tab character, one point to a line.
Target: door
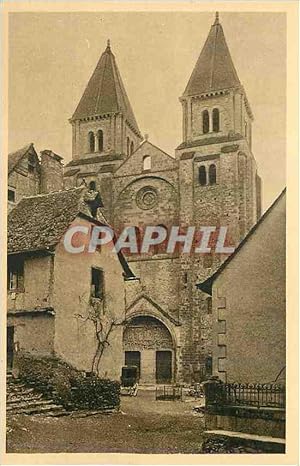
133	358
163	366
10	347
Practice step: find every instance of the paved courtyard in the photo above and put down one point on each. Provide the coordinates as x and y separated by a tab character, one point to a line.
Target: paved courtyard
143	425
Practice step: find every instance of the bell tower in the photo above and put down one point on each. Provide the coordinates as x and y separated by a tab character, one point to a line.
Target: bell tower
217	139
218	181
103	122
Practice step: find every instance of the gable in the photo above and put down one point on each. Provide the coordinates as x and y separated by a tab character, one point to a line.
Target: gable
134	165
18	160
144	305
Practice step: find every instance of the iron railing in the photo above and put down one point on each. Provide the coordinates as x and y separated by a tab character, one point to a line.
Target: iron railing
240	394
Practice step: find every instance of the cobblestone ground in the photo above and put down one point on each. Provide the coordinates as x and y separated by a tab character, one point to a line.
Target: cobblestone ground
143	425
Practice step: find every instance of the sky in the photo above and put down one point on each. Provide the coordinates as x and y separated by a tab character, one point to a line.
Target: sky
52	56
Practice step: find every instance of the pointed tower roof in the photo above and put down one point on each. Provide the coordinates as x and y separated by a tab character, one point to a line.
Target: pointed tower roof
105	92
214	69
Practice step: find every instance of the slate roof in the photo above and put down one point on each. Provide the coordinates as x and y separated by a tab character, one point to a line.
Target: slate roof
38	222
15	157
207	284
214	69
105	92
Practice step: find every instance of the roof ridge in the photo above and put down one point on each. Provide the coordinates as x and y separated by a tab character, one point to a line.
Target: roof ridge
53	192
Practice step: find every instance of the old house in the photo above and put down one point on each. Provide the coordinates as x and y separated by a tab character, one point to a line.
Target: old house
53	292
211	180
29	175
249	304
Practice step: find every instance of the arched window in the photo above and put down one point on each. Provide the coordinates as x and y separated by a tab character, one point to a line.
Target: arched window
205	121
216	119
212	174
131	148
147	162
100	140
202	175
92	186
128	146
91	141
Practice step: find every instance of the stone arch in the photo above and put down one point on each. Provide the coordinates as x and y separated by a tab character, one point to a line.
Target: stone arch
149	344
146	178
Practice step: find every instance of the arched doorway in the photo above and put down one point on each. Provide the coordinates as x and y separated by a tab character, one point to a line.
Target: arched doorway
148	344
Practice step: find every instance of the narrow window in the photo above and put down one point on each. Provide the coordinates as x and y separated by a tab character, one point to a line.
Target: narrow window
100	140
147	162
92	186
216	120
91	142
31	164
246	130
202	175
11	195
131	148
209	305
97	285
15	274
212	174
205	121
128	146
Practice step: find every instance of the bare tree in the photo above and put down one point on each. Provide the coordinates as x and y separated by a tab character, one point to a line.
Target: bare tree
104	322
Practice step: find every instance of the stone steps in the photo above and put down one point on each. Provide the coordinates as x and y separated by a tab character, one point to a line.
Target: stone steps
24	399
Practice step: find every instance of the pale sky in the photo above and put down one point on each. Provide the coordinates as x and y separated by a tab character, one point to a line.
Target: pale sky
52	56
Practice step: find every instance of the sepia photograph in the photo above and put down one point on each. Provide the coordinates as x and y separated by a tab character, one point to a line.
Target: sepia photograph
146	239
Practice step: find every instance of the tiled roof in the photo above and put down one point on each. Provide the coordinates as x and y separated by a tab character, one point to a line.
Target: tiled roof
15	157
105	92
214	69
38	222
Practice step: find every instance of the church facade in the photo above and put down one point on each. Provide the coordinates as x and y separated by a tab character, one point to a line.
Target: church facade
211	181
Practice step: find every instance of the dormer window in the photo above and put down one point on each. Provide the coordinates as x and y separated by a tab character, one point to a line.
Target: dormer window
91	138
131	148
216	120
147	162
100	140
205	122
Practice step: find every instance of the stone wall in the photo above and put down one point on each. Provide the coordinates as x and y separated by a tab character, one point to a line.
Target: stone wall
33	333
250	319
75	339
37	290
51	172
115	133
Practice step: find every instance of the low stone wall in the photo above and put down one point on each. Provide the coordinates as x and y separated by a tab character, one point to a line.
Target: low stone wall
263	421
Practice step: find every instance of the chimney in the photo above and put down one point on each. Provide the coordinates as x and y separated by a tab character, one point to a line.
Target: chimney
51	172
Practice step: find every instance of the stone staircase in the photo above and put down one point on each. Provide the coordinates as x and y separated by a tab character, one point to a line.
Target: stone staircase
23	399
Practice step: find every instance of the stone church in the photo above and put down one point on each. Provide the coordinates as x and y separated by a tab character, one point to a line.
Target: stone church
211	180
